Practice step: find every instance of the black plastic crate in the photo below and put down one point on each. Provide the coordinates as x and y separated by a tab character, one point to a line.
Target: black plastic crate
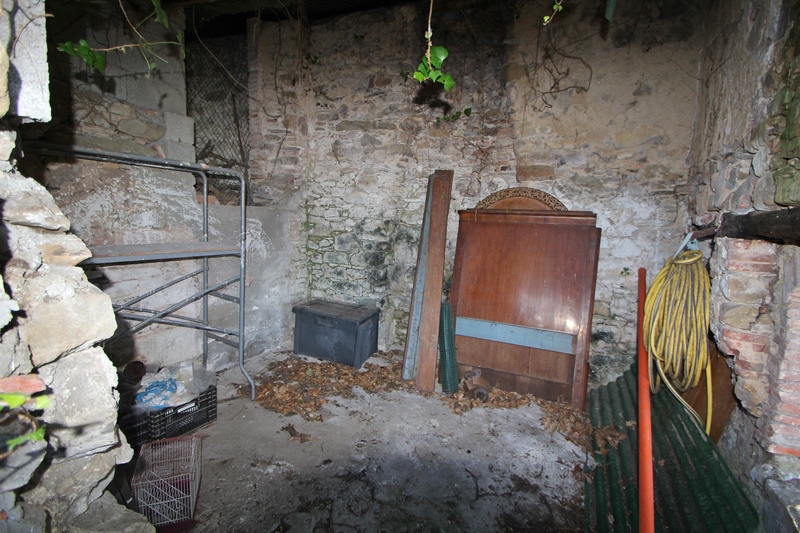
336	331
168	422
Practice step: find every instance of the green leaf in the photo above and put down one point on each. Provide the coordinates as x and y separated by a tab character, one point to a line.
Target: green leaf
41	402
67	47
161	15
423	68
468	111
557	8
13	399
447	81
434	74
419	76
546	18
438	55
456	115
37	435
85	52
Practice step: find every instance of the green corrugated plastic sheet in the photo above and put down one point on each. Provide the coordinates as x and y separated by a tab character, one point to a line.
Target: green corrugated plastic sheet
694	488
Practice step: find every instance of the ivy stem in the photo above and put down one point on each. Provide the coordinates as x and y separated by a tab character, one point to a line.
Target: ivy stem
429	36
128	20
132	45
556	9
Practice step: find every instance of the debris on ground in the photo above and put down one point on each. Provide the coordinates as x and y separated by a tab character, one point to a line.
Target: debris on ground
296	435
297	386
610	435
572	423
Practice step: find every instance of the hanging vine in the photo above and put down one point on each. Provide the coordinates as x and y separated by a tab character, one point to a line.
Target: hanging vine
95	56
431	64
557	7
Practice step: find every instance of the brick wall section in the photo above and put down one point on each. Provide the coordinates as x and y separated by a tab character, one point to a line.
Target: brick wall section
779	429
743	272
278	126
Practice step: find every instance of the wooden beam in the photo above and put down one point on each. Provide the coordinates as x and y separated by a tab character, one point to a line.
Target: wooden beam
781	227
434	280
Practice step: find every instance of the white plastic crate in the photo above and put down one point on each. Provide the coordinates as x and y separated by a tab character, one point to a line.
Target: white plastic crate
167	478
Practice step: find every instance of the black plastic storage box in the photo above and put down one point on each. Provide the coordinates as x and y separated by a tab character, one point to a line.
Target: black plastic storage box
336	331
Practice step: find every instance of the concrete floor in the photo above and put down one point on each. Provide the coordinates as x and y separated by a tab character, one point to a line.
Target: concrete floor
393	462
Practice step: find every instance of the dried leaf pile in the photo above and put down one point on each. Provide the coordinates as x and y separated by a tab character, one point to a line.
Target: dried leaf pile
572	423
295	386
461	402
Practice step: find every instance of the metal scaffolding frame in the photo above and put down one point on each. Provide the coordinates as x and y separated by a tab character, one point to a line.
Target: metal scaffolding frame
140	253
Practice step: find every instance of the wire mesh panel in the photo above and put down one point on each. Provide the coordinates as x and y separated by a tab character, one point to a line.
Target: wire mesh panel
216	90
167	479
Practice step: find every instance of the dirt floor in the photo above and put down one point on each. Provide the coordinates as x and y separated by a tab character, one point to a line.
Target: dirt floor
389	460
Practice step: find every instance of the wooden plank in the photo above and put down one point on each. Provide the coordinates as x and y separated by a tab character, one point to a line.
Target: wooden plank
415	313
581	377
541	388
521	360
521	216
555	341
434	279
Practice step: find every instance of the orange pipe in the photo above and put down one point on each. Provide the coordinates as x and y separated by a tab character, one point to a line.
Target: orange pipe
647	516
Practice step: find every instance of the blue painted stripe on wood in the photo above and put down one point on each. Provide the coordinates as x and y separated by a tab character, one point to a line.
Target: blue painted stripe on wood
542	339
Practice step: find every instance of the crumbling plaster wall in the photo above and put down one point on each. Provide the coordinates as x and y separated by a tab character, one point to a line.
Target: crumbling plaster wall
340	146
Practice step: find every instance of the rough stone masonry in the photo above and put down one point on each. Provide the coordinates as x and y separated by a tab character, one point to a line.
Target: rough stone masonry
343	142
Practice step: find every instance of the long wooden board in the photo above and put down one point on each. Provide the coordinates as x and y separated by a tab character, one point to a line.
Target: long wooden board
433	280
415	313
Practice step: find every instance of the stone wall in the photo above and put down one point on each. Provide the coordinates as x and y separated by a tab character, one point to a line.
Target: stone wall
744	159
599	118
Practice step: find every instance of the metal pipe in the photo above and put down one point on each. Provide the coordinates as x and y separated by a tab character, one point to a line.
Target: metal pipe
148	294
168	311
647	523
243	280
180	323
205	267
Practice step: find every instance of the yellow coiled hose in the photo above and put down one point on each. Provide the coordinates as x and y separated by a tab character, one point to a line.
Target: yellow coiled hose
675	327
